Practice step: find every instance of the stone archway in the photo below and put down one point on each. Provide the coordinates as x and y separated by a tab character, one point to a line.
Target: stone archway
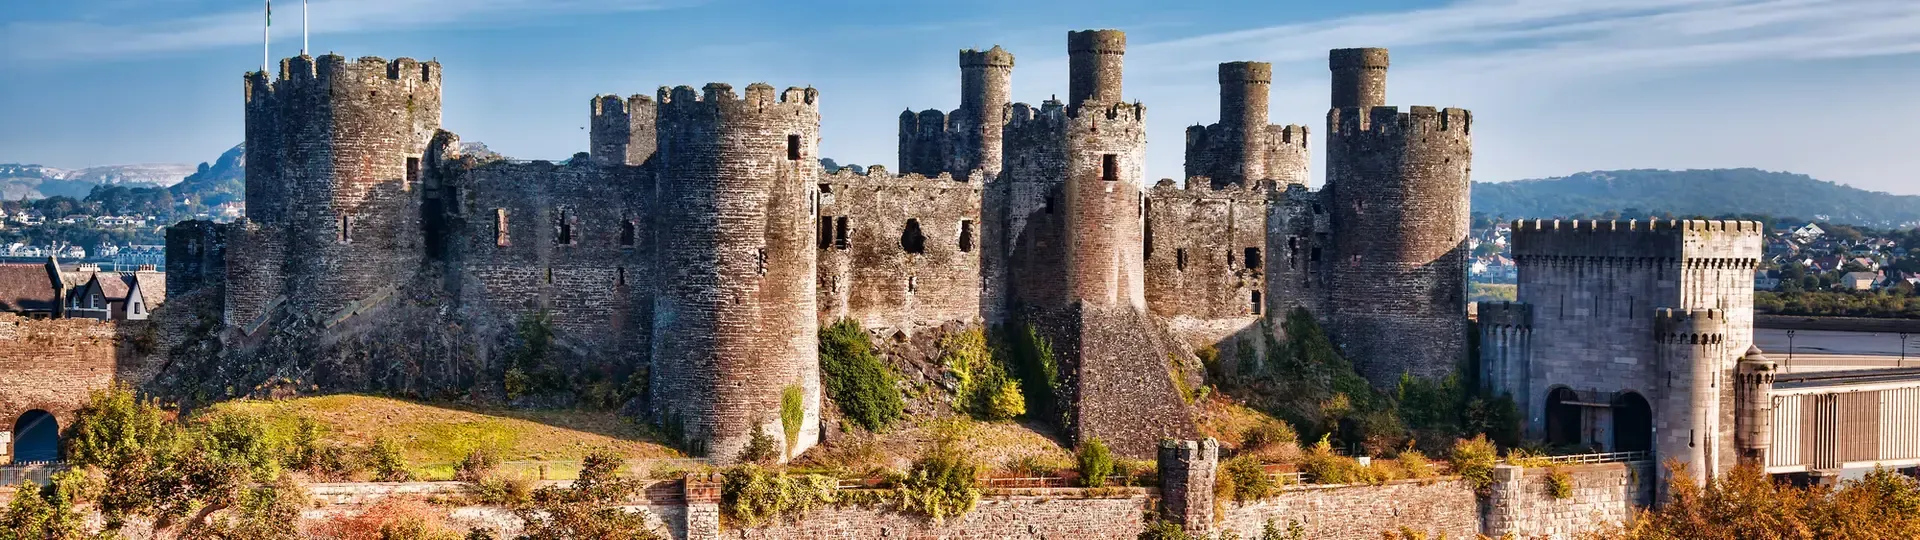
1563	416
1632	423
36	437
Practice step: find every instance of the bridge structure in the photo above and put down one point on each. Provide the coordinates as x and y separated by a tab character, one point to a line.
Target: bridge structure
1822	423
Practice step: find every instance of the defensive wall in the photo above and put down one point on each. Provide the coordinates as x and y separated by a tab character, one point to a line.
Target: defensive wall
898	251
51	365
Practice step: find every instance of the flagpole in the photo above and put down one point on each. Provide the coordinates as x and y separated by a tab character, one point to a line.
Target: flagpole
266	40
303	27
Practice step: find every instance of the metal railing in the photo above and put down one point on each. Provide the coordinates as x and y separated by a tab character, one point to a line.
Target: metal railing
1603	457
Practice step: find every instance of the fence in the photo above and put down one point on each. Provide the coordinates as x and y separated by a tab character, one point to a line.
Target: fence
1603	457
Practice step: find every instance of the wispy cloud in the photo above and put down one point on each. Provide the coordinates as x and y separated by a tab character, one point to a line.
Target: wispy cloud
48	40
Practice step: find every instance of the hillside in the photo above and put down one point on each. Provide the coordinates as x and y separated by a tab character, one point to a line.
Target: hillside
1709	192
18	181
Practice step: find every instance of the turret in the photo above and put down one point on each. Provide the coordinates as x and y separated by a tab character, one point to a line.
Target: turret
1359	77
1754	419
622	131
1691	345
1506	347
1243	149
1244	87
986	86
1094	60
737	175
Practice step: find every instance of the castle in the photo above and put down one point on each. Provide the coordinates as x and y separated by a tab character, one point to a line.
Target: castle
701	241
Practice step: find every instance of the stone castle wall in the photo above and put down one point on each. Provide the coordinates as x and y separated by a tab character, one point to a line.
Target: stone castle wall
898	251
1521	502
1206	254
1434	507
1034	178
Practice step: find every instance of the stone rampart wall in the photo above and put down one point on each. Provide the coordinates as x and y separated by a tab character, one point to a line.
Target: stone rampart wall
1435	507
1521	502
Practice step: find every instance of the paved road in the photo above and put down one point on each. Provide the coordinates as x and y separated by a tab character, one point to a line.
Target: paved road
1825	350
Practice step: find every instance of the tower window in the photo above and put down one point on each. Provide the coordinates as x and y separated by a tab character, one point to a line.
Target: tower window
620	278
913	284
1256	302
760	261
1110	167
627	233
1313	256
824	238
345	235
1180	258
966	235
413	171
840	233
564	228
911	239
1253	257
500	227
1049	203
793	148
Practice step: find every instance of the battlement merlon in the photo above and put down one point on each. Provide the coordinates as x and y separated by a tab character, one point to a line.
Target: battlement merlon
400	74
1201	187
605	104
1505	314
1700	326
879	176
1386	120
1050	115
1359	77
1095	60
1105	113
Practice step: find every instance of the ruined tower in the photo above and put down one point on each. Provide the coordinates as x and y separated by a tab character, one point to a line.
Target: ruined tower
986	86
734	330
1243	149
622	131
339	146
1399	214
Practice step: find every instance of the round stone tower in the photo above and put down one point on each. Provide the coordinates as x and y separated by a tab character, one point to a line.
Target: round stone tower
1094	58
1359	77
1691	345
347	137
1399	217
986	87
1754	420
734	332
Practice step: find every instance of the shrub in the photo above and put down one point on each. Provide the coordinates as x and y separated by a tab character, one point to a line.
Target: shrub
264	511
385	460
393	518
586	509
1266	435
1559	484
1473	459
478	464
1271	531
1325	467
760	447
1527	457
857	381
1243	479
751	496
1036	367
1161	529
983	387
793	411
43	512
1096	463
531	366
941	484
1416	464
511	491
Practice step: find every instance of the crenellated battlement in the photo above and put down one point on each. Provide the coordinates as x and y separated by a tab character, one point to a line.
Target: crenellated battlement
1694	326
1505	314
757	94
611	104
325	72
995	57
1694	243
1051	114
1293	135
878	175
1201	187
1360	58
1110	112
1389	121
1097	41
1635	225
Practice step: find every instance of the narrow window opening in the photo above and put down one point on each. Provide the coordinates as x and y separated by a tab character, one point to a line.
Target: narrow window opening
911	239
346	229
500	227
825	239
1256	302
413	171
1252	258
1049	203
760	261
966	236
564	228
1110	167
913	283
1180	259
627	233
793	148
1314	256
840	233
620	277
1146	241
549	275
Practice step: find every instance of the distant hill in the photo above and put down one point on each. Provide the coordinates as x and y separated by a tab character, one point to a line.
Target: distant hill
218	182
1710	192
24	181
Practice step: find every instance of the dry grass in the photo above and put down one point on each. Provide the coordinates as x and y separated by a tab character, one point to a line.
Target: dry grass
1229	421
434	437
999	445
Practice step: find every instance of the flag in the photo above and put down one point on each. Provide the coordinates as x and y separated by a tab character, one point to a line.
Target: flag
269	12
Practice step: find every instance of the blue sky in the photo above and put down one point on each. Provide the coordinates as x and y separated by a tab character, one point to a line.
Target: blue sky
1824	87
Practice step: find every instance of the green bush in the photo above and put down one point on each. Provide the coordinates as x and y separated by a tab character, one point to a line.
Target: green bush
1559	483
385	460
1243	479
1036	367
760	447
531	366
1161	529
1325	467
1416	464
478	464
589	507
985	386
44	512
1271	531
1096	463
751	496
941	484
1474	459
855	378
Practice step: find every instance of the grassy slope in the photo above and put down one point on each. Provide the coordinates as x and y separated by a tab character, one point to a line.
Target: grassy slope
436	436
